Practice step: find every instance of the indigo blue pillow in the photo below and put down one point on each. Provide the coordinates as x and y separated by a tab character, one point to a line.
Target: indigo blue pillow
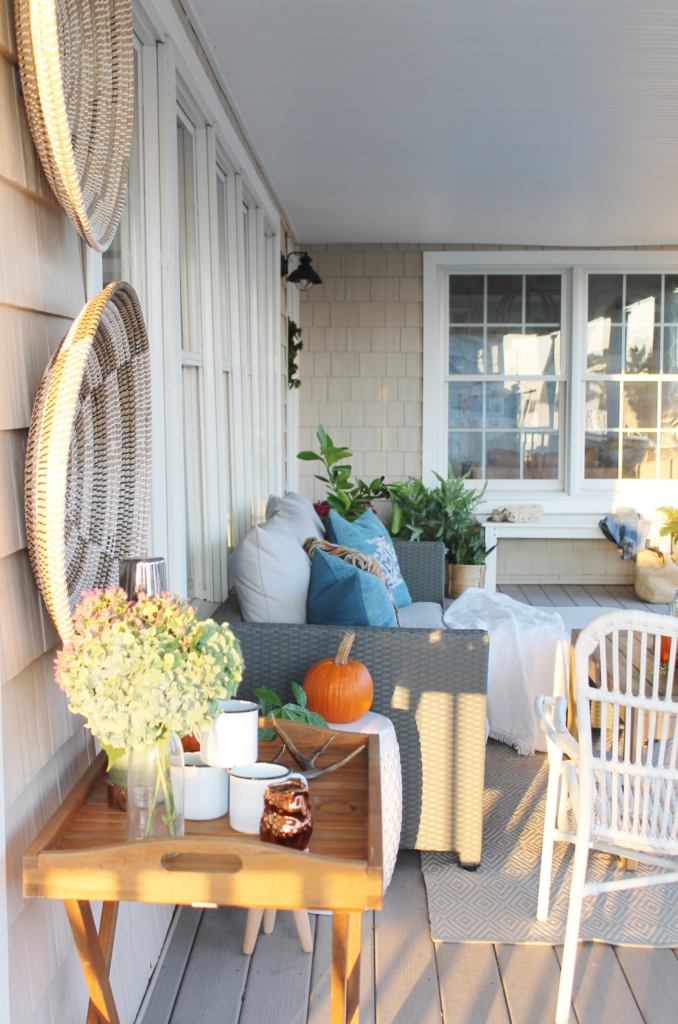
369	534
342	595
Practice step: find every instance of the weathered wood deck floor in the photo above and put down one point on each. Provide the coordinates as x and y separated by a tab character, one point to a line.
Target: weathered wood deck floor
406	978
569	595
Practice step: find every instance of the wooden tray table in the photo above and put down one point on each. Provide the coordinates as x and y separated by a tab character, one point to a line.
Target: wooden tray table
82	854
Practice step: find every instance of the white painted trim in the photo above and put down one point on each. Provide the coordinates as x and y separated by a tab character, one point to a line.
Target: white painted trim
580	495
168	180
94	270
160	14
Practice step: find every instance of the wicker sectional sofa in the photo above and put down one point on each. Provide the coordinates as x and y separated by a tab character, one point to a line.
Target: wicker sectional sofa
431	683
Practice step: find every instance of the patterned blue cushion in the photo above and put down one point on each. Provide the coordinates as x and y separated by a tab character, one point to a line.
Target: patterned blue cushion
342	595
369	534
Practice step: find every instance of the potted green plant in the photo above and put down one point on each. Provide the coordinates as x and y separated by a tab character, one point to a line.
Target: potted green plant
141	674
446	513
349	499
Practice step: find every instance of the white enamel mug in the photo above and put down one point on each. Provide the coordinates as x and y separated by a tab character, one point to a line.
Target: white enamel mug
248	786
232	739
205	790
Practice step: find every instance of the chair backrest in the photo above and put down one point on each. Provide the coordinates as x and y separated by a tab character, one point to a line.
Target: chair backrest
630	695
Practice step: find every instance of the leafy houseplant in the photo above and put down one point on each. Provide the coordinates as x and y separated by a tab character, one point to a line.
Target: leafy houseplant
294	347
348	499
139	673
670	529
443	513
273	707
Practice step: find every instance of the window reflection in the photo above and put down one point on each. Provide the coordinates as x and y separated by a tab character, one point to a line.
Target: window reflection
647	340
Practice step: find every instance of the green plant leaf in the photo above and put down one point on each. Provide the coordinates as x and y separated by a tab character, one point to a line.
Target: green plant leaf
313	718
323	438
299	693
267	695
266	735
397	520
309	456
114	754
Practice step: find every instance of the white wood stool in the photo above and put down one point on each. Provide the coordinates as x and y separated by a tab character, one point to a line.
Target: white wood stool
254	923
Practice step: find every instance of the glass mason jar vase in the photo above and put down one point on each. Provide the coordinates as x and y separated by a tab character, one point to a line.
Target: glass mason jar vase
155	791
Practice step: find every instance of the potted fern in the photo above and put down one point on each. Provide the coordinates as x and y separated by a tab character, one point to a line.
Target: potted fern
446	513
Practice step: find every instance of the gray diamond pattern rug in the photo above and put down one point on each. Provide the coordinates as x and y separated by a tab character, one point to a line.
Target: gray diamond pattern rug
498	902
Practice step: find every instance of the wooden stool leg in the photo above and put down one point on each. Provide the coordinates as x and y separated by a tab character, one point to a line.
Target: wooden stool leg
269	921
251	931
355	923
339	959
303	930
92	959
109	919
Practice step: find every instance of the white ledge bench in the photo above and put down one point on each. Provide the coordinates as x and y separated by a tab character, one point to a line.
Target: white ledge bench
576	526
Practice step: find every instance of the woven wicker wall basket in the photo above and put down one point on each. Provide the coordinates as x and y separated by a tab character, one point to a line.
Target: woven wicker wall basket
77	74
87	485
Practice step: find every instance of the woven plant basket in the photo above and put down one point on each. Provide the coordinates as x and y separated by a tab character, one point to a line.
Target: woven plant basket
87	485
77	75
461	577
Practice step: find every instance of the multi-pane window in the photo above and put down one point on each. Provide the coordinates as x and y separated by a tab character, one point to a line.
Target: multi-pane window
505	376
632	377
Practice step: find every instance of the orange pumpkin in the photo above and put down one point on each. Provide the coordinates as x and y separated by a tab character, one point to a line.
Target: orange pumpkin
665	649
338	689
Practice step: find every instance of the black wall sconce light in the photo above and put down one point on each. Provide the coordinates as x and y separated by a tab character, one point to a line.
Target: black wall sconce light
304	276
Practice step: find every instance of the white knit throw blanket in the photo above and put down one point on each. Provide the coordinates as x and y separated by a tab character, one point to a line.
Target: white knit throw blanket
529	655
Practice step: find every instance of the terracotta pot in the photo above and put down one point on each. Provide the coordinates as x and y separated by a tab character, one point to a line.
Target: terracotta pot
460	577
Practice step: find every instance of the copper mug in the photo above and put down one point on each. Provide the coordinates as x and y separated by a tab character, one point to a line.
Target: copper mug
287	819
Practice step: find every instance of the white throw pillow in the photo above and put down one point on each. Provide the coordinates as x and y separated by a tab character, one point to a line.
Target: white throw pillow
271	574
298	513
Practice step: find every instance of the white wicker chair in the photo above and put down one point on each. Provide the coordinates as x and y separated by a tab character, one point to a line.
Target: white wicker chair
619	796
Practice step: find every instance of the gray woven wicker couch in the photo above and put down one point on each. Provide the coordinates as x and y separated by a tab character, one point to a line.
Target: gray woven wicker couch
431	683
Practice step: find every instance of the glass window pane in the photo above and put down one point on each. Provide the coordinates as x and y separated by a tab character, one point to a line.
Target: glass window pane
465	405
601	456
542	298
645	288
669	414
466	350
639	456
540	404
504	404
602	406
642	342
640	404
465	453
670	350
605	297
505	299
466	299
503	457
604	346
540	456
668	465
670	298
527	355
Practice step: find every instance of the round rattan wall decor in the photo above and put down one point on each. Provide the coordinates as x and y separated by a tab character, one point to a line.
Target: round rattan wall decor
87	485
77	75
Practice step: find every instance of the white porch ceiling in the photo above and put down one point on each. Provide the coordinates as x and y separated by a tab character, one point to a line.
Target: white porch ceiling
551	122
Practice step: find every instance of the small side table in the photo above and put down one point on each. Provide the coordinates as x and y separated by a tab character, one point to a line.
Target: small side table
391	782
391	818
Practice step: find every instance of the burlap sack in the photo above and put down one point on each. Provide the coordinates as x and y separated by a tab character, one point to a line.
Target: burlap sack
656	577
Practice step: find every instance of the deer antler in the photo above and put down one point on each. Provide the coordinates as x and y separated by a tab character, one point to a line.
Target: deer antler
307	763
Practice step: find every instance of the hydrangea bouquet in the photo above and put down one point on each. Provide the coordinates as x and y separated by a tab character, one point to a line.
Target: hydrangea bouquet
139	671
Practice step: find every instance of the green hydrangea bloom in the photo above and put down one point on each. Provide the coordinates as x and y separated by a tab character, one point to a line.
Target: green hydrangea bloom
137	672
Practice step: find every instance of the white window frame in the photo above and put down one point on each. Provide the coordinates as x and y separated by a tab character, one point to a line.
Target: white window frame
233	480
579	494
